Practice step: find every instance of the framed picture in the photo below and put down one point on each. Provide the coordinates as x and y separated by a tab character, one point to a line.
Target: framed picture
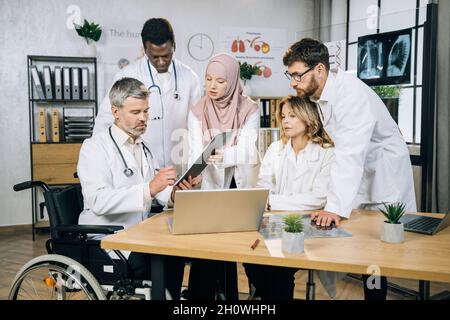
385	58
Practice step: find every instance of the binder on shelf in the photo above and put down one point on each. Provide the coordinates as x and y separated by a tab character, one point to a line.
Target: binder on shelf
75	72
85	83
273	112
37	83
267	113
55	125
48	82
58	83
42	125
66	83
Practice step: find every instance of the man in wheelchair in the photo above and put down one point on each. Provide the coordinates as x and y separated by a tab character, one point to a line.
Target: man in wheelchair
121	181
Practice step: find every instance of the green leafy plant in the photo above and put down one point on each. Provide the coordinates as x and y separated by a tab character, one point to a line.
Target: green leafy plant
89	31
387	91
293	223
393	212
247	70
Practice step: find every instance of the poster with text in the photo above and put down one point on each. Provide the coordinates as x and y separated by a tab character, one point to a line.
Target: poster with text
122	45
262	47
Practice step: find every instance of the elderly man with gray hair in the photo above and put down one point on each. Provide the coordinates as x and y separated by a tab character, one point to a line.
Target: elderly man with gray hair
120	179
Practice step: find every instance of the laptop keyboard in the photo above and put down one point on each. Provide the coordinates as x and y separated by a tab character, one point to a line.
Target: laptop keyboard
425	224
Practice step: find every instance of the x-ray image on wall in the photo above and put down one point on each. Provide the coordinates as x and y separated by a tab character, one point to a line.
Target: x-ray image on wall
371	59
385	58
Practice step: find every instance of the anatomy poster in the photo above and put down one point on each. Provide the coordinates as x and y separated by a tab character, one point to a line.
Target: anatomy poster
262	47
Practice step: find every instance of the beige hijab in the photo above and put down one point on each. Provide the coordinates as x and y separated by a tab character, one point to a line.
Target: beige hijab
231	111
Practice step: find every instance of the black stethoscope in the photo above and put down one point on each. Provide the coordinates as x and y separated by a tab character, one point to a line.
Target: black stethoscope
176	95
128	172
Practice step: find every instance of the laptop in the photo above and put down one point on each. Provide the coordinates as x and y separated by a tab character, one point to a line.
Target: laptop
214	211
425	225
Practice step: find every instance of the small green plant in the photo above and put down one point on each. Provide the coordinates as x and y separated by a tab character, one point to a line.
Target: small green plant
387	91
293	223
89	31
393	212
247	70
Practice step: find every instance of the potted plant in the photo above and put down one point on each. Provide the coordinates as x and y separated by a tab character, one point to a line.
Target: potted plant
247	71
392	229
91	32
390	95
292	236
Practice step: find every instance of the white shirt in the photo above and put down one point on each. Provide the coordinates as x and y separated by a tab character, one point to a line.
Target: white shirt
372	163
296	182
240	160
110	197
166	134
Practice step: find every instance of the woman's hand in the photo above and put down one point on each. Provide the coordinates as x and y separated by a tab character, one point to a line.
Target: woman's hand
216	158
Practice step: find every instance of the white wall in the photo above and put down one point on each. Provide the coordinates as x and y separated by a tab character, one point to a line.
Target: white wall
39	28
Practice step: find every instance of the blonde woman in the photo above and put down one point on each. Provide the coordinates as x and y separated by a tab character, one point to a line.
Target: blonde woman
296	169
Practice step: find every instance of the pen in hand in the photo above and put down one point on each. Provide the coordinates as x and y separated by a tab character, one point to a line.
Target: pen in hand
255	244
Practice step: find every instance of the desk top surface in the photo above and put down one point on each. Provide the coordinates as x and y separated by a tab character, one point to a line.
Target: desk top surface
420	257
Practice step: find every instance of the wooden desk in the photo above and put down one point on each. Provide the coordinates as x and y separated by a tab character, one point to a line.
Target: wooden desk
421	257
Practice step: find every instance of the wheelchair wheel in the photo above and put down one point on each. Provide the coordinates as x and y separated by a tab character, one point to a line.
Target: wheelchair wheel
55	277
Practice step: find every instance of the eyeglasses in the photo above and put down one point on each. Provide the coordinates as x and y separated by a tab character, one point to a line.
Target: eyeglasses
297	76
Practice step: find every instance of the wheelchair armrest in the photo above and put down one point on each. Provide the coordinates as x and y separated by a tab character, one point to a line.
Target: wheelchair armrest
85	229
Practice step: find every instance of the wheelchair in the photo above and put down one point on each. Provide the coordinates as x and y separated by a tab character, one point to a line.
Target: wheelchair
76	267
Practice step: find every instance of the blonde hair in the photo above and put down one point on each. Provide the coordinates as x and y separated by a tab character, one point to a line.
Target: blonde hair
306	111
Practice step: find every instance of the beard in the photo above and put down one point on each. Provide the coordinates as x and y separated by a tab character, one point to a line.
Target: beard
312	87
133	131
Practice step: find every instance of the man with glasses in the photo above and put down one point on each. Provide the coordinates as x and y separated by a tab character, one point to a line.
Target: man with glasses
372	164
174	87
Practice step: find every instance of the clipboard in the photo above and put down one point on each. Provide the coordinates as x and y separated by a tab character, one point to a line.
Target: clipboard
219	141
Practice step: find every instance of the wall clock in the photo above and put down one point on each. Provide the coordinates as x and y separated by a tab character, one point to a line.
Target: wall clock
200	47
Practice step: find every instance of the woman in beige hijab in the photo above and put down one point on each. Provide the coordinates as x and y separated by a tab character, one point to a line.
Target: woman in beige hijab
222	109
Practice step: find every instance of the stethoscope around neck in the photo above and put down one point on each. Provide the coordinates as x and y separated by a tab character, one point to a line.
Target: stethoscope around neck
153	86
128	172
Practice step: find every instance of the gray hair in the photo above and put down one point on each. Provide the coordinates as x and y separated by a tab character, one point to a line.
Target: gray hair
124	88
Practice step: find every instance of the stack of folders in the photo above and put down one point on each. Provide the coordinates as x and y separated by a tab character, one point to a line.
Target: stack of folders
64	83
78	123
266	137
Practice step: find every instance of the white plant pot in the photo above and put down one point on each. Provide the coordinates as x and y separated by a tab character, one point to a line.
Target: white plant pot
246	89
392	233
292	242
89	49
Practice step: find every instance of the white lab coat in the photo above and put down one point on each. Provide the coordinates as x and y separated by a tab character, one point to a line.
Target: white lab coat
296	186
299	186
240	160
167	137
372	163
110	197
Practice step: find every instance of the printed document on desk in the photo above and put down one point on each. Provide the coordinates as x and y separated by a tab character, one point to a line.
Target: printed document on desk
272	225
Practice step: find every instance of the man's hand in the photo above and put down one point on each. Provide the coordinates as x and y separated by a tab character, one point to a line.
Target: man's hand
325	220
165	177
217	157
186	185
